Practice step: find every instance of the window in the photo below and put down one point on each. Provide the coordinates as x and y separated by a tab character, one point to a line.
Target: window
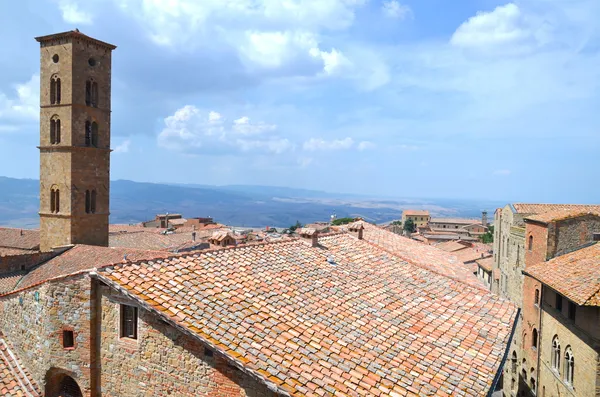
54	200
532	383
91	93
68	339
572	310
90	201
88	133
55	90
55	58
569	365
559	302
95	134
94	94
536	298
596	237
556	353
128	322
93	202
55	130
534	339
530	247
514	362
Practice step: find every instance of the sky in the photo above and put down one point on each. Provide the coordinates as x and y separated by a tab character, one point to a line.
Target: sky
476	99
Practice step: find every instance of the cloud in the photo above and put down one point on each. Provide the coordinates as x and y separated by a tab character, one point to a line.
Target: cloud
394	9
23	106
502	172
365	145
191	130
315	144
503	25
123	147
71	13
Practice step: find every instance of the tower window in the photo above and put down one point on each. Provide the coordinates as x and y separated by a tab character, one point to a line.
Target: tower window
55	90
90	201
54	200
530	247
91	93
55	58
88	133
128	322
55	130
92	62
95	134
534	339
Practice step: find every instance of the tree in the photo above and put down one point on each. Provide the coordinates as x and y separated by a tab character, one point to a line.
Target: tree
488	237
396	223
410	226
296	226
342	221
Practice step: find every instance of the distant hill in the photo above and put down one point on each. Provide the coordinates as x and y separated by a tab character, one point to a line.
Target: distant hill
239	205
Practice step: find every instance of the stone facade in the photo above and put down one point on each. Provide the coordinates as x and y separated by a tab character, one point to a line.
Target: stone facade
75	164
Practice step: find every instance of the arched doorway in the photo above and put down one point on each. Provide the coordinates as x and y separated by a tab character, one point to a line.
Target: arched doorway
69	388
59	384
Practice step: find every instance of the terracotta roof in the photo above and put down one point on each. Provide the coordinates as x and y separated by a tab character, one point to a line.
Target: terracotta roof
220	235
470	255
77	34
306	231
497	274
15	380
416	212
419	254
367	324
523	208
452	246
486	263
23	239
151	239
575	275
9	281
83	257
463	221
558	215
15	251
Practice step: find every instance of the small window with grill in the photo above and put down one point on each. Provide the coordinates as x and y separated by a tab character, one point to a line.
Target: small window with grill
129	322
68	339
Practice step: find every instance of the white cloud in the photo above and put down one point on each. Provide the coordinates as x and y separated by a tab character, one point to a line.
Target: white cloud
365	145
71	13
314	144
394	9
22	106
192	130
123	147
503	25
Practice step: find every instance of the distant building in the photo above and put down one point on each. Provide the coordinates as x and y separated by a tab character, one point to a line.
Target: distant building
419	217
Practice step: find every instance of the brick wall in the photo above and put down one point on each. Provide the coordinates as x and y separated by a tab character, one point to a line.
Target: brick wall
14	263
570	234
162	361
33	322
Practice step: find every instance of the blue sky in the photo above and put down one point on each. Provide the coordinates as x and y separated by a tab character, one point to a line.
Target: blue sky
432	98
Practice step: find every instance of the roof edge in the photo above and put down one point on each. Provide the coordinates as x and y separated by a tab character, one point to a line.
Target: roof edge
74	34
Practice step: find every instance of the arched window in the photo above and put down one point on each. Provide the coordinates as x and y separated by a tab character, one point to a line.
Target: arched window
514	362
556	353
91	93
530	246
536	298
90	201
88	133
55	90
94	94
88	93
534	339
55	130
54	200
95	134
569	365
532	384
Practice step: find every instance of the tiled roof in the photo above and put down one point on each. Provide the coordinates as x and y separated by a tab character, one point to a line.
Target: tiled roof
15	251
486	263
575	275
9	281
422	255
83	257
15	380
415	212
463	221
367	324
150	239
452	246
523	208
470	255
220	235
558	215
25	239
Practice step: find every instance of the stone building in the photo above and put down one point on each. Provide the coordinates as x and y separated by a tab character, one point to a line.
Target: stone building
364	312
528	240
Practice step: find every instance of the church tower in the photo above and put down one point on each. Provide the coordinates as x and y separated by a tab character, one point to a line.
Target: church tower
75	83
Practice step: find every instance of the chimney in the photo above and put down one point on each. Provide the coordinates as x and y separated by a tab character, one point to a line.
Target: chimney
484	220
311	234
193	236
357	229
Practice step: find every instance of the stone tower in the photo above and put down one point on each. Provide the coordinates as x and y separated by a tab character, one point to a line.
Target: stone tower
75	83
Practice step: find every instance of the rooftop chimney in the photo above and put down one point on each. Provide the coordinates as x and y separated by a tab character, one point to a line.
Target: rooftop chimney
357	229
311	234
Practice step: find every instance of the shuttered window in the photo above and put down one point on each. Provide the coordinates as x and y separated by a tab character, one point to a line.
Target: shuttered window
128	322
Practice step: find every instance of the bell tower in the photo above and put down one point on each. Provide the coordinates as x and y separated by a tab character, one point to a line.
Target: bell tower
75	83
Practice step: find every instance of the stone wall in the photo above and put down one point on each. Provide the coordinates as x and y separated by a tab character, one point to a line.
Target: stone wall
570	234
33	321
585	350
162	361
15	263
